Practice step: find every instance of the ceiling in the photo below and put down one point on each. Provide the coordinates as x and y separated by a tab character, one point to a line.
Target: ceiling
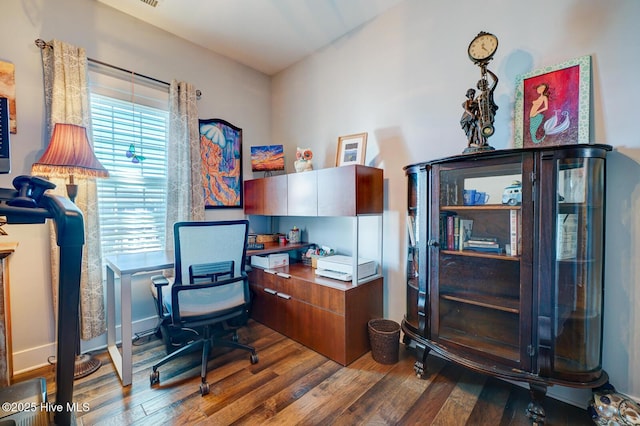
267	35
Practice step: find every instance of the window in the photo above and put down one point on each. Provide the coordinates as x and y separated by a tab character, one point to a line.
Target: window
130	127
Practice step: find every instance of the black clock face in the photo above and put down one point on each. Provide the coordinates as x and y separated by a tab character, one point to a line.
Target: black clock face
483	47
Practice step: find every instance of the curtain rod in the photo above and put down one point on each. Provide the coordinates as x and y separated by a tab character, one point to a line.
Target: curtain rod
43	44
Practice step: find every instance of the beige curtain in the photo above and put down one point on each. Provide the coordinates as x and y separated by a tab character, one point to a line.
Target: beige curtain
185	197
67	101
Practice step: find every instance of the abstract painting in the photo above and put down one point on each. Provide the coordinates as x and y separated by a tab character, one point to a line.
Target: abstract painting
221	154
552	105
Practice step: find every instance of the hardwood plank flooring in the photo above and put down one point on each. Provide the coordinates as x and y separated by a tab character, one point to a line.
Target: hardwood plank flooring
292	384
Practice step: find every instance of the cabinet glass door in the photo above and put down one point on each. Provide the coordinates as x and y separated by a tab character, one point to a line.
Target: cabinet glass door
578	265
417	311
478	301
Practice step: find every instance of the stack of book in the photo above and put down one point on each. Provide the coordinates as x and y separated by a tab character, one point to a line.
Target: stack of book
484	244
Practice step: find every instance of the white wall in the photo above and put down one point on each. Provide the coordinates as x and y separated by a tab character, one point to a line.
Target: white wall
231	91
402	78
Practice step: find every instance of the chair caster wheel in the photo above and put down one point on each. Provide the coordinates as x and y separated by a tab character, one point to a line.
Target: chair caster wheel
254	359
204	388
154	378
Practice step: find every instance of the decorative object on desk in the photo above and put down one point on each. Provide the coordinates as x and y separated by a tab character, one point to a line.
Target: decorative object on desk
267	159
293	237
221	153
70	153
3	221
479	112
303	161
8	90
351	149
266	238
552	104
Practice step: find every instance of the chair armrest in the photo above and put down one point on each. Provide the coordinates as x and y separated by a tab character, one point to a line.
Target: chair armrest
159	281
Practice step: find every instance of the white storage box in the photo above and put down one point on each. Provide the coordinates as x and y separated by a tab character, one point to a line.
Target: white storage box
275	260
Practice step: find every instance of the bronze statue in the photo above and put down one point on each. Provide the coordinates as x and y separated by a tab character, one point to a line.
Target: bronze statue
479	113
469	119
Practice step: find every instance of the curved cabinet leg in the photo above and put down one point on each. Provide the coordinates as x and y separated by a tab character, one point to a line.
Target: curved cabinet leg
535	411
420	365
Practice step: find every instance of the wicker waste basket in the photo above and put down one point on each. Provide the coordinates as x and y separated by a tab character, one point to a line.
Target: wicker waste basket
384	336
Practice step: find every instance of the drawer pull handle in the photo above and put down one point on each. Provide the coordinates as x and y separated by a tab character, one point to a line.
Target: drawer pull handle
283	295
268	290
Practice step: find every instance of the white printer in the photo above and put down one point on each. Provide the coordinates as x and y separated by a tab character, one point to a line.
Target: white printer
341	267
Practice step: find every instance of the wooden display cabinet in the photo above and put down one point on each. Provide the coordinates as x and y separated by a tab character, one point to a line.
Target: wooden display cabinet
520	296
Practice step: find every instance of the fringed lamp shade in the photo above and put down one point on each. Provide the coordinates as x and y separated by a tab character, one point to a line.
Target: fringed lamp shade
69	154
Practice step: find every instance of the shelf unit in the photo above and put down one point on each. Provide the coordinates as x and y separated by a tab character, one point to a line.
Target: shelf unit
327	315
530	310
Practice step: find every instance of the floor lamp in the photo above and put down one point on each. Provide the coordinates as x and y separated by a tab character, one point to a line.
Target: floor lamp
70	154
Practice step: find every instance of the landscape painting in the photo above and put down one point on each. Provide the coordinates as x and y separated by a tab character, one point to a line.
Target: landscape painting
267	158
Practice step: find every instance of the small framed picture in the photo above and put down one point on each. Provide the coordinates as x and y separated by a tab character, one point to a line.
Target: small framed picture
351	149
552	105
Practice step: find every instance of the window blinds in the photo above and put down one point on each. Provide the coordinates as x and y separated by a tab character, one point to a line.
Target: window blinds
130	125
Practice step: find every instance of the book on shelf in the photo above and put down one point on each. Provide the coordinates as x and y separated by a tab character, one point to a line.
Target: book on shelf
567	236
486	249
456	233
466	226
487	241
515	226
450	232
411	228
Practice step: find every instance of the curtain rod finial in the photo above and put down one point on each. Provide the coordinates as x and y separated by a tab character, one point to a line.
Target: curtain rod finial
41	43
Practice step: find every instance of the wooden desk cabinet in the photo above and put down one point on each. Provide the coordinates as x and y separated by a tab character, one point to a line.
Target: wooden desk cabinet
329	316
325	315
530	307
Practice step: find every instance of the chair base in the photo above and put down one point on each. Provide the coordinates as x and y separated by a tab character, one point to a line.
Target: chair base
203	344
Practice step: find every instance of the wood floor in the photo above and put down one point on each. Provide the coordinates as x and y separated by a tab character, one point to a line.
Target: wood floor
294	385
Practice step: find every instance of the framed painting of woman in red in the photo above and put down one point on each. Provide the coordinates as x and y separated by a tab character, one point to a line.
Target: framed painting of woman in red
552	105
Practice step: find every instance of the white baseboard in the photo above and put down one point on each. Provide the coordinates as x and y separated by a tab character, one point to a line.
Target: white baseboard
36	357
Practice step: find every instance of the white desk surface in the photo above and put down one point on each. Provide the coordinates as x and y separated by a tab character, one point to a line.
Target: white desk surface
129	264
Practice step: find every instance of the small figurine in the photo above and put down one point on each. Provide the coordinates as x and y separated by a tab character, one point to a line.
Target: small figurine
303	160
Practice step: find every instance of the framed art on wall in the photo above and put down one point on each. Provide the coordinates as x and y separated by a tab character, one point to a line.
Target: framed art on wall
267	158
552	105
351	149
8	90
221	154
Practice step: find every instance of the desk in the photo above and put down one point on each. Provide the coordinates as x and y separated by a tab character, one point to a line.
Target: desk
126	265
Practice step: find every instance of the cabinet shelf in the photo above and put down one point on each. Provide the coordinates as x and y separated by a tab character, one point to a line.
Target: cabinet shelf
486	301
479	343
485	255
484	207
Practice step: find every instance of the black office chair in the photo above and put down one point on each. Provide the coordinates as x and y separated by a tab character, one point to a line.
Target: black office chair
208	299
